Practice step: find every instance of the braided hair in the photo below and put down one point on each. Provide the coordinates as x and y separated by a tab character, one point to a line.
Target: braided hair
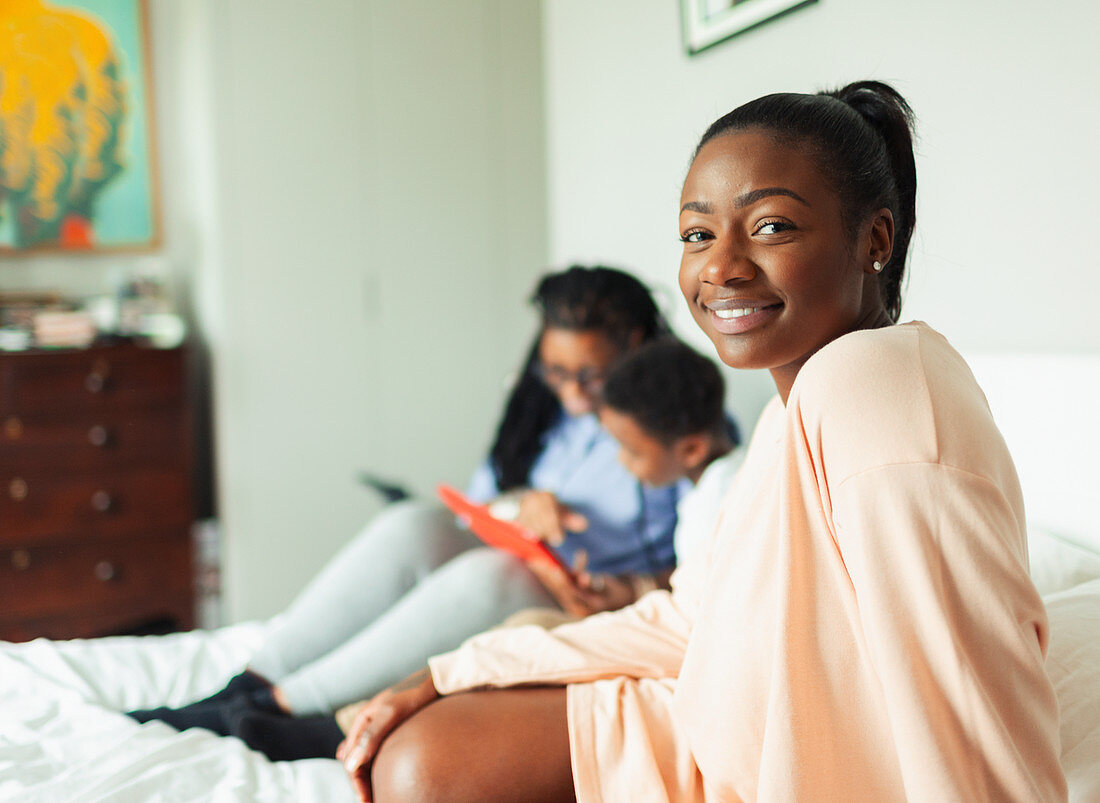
599	299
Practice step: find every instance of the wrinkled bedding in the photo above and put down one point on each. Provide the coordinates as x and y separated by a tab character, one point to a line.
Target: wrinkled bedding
62	737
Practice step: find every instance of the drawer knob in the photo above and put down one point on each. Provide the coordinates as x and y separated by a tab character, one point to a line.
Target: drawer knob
95	382
21	560
18	489
105	571
99	435
102	501
13	428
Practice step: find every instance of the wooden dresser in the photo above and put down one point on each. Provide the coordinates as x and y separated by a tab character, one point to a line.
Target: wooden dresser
95	492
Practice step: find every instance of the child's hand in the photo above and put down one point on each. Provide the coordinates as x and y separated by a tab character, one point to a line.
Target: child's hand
543	515
580	593
604	592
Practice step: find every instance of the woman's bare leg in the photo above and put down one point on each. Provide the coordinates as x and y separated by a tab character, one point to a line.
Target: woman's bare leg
506	745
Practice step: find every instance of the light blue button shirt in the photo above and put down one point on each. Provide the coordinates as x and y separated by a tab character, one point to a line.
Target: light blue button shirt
630	525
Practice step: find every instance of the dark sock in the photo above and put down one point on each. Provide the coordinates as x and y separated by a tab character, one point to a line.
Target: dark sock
282	737
203	714
246	681
264	700
246	690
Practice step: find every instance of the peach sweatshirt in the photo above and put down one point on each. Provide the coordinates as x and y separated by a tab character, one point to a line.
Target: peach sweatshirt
861	626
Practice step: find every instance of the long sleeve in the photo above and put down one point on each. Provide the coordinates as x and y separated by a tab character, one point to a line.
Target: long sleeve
482	487
643	640
646	639
971	712
868	631
862	626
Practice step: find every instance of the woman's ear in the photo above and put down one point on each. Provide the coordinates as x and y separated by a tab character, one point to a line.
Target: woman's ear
880	241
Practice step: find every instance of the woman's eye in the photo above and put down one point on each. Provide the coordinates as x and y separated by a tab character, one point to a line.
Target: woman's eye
773	227
693	236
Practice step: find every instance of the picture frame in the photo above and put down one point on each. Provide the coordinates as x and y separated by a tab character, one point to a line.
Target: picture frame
706	23
79	169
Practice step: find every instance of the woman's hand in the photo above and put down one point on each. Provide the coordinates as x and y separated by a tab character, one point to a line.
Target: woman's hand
581	593
547	518
385	711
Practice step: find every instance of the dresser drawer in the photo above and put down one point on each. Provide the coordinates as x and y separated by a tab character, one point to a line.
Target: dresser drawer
166	613
37	507
107	440
96	507
91	379
43	581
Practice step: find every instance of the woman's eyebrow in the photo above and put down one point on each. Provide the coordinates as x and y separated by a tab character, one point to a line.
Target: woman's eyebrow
702	207
743	200
752	196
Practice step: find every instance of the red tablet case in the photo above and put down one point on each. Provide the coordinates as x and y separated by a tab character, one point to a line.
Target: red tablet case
495	532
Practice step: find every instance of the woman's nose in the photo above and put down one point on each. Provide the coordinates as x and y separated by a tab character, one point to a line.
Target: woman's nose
575	398
727	261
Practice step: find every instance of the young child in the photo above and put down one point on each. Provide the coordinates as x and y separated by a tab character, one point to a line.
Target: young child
664	404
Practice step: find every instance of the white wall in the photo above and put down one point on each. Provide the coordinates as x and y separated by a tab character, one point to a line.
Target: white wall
381	217
354	212
1006	99
355	205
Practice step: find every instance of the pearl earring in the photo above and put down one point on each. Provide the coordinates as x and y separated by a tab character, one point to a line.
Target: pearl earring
877	266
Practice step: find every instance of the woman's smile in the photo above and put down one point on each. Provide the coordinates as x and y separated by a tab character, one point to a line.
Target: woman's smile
736	316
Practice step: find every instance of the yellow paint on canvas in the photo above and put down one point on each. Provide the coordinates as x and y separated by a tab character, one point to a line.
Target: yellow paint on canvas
62	107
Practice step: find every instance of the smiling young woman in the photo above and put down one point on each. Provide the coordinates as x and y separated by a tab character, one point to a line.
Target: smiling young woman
786	232
861	625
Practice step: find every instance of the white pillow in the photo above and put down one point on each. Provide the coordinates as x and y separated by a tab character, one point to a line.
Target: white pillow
1073	664
1058	564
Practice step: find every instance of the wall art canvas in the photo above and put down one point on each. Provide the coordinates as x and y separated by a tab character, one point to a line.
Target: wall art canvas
708	22
77	161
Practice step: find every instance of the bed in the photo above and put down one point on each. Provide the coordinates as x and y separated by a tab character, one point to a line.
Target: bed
62	738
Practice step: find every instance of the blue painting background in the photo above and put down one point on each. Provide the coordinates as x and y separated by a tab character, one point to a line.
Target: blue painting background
125	211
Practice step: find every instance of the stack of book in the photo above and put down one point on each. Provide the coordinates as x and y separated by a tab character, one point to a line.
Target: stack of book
58	329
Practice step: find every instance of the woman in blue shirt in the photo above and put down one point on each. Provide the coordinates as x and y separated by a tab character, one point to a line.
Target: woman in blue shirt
413	583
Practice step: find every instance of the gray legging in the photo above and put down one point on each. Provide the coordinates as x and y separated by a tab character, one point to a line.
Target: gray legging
410	585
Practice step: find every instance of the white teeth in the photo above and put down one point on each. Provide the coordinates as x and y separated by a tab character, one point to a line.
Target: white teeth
736	313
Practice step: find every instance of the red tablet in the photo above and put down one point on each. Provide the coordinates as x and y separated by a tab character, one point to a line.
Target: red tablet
495	532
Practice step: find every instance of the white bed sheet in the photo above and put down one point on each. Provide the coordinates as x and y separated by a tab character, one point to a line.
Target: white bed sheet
62	737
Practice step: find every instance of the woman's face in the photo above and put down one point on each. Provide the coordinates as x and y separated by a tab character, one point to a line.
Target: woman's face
574	364
769	269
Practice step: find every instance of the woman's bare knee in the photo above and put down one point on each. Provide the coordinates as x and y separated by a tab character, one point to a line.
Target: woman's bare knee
422	759
402	770
472	747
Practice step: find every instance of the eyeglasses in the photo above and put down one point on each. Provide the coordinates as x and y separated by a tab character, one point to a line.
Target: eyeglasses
590	380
